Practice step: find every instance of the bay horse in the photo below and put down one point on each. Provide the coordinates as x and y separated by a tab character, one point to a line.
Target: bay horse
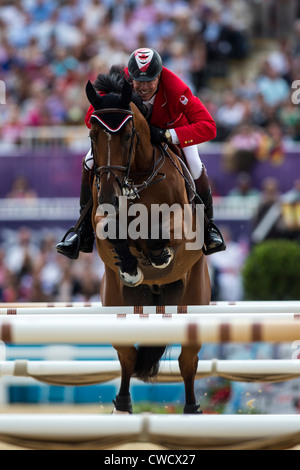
140	269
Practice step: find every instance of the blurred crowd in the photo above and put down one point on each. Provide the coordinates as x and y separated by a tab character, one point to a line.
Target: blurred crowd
50	48
32	271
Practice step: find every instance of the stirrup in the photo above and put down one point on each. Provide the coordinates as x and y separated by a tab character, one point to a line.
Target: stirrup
221	247
76	252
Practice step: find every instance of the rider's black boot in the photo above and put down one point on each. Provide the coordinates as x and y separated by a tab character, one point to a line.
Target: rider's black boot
83	238
213	239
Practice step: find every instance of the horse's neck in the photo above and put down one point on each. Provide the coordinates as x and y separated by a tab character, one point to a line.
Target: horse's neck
143	157
144	149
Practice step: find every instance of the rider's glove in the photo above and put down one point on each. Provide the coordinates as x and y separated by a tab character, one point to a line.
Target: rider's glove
160	135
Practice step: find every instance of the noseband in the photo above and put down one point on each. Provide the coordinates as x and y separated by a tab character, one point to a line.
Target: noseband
127	187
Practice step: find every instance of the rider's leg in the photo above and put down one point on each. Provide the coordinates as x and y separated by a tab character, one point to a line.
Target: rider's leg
83	240
212	239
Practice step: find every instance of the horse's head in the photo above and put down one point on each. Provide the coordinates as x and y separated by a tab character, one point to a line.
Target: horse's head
113	141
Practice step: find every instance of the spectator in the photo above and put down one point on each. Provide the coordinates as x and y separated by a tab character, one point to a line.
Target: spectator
21	256
228	267
41	10
94	16
272	145
13	127
244	188
266	219
289	119
241	148
47	269
274	89
3	273
21	189
290	211
230	114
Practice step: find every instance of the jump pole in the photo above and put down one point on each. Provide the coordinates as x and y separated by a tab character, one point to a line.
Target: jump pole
86	427
278	307
282	305
151	317
152	331
167	369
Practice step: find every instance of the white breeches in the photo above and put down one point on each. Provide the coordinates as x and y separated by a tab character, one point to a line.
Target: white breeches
193	160
191	154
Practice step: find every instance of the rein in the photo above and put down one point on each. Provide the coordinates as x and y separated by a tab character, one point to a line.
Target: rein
128	188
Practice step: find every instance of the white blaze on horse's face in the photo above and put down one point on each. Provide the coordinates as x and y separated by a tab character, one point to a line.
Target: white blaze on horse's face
108	150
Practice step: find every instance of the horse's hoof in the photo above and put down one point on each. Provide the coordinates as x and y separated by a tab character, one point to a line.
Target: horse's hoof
116	412
192	409
122	404
166	256
131	281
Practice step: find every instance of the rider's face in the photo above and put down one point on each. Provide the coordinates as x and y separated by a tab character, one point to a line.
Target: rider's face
146	89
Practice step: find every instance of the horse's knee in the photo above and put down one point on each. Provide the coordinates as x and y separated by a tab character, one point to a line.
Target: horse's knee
127	355
188	360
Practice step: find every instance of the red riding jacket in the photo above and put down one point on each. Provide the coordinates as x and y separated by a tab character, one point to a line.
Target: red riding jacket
175	107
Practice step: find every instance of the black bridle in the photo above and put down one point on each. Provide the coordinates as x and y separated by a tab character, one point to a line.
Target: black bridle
127	186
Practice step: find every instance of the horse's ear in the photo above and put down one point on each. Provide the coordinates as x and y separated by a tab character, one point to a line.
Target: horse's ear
126	94
92	95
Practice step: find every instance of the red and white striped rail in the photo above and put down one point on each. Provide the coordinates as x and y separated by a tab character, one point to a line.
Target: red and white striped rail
97	308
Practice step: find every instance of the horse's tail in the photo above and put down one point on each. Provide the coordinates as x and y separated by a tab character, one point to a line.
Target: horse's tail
147	362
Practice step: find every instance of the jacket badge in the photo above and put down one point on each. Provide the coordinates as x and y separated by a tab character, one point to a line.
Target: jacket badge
183	99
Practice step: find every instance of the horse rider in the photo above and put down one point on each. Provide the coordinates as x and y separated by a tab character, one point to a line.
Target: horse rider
175	116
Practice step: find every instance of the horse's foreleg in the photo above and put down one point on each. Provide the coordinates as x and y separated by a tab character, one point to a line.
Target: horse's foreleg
127	357
188	362
129	271
159	254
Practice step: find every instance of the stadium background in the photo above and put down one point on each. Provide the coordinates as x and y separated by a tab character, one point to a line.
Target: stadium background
242	58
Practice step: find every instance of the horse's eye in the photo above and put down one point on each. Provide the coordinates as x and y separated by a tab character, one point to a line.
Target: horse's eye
127	137
93	135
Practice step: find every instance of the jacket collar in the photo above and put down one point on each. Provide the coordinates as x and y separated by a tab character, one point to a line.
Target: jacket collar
160	97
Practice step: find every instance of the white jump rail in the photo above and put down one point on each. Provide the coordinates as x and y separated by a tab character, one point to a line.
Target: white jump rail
97	308
148	330
48	304
86	431
94	372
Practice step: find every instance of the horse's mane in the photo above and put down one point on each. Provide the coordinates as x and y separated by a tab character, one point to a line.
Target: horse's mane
112	82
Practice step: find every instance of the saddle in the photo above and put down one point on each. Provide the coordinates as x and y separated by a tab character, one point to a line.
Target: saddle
189	181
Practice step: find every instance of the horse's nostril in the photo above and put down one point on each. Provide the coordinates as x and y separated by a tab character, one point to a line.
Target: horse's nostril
115	203
112	200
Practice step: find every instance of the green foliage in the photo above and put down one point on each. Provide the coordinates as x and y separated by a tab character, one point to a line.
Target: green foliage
272	271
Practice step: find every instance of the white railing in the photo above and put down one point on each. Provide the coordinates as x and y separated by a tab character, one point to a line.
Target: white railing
51	209
77	138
